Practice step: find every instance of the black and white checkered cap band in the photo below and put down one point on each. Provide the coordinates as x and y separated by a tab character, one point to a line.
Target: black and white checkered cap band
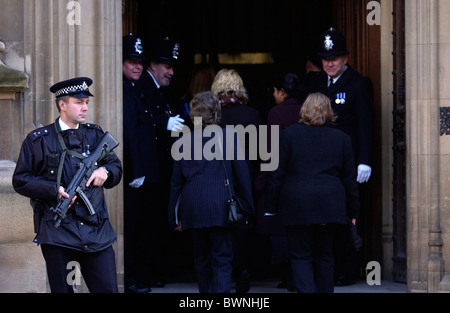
72	89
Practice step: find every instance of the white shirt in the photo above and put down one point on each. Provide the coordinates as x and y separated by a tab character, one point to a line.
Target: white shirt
64	126
156	83
336	78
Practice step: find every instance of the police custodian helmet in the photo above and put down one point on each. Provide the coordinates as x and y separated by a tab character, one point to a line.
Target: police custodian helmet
165	50
332	44
132	48
76	87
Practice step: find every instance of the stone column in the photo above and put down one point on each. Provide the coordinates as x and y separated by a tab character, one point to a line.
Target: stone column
425	260
53	40
21	269
444	104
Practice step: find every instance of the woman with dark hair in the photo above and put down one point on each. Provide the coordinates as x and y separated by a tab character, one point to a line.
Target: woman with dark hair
287	92
313	191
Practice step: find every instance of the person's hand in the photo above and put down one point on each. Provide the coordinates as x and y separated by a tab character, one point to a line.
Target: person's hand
178	228
137	182
175	123
98	177
63	194
364	172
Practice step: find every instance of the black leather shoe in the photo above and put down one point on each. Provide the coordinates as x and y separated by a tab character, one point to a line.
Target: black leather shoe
343	281
243	282
138	289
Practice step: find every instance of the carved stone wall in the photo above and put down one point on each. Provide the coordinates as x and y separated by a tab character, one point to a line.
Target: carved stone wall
50	41
428	185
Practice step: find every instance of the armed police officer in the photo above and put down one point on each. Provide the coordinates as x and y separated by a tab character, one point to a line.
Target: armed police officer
351	96
49	158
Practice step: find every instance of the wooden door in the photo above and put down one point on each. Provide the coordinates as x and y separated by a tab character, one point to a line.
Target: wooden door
363	42
399	145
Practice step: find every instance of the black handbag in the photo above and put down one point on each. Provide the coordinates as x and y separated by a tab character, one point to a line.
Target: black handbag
239	215
355	238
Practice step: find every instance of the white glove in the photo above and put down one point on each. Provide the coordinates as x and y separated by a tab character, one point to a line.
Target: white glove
137	182
364	172
175	123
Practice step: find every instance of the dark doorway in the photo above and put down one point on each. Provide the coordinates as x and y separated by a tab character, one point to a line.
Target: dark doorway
288	31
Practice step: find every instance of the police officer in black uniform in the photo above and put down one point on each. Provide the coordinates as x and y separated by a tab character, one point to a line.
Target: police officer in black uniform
153	84
351	95
140	162
81	237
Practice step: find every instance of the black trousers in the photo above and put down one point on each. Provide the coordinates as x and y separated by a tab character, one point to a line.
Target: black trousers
146	234
311	257
213	255
98	269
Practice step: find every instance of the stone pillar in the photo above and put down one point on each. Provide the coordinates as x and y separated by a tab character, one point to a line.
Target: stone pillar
423	77
21	267
444	104
54	40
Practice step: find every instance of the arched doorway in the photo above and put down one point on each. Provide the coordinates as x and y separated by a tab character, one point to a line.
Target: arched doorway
286	30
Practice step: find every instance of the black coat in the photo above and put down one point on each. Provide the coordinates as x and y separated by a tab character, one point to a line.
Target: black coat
162	108
35	177
245	115
356	115
140	155
315	182
283	115
200	185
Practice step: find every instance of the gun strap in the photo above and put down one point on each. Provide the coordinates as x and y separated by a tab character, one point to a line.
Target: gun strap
63	157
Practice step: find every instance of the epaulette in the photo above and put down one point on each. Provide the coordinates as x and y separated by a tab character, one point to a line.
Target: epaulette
92	126
38	133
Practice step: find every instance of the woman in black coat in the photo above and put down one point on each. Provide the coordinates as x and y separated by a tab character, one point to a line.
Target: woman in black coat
313	190
198	193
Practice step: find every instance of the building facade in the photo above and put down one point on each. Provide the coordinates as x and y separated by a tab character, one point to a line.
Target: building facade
45	41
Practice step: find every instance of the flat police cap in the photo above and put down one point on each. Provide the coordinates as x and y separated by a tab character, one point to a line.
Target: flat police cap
132	48
76	87
332	44
165	50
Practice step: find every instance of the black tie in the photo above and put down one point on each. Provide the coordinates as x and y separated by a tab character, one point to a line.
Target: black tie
331	83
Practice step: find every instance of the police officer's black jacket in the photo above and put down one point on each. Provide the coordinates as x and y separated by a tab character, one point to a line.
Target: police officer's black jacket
140	154
162	109
35	177
355	113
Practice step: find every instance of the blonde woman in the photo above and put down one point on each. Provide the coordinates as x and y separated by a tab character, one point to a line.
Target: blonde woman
229	88
313	191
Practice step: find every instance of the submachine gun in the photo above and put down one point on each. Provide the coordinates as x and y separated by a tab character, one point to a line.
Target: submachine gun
78	184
